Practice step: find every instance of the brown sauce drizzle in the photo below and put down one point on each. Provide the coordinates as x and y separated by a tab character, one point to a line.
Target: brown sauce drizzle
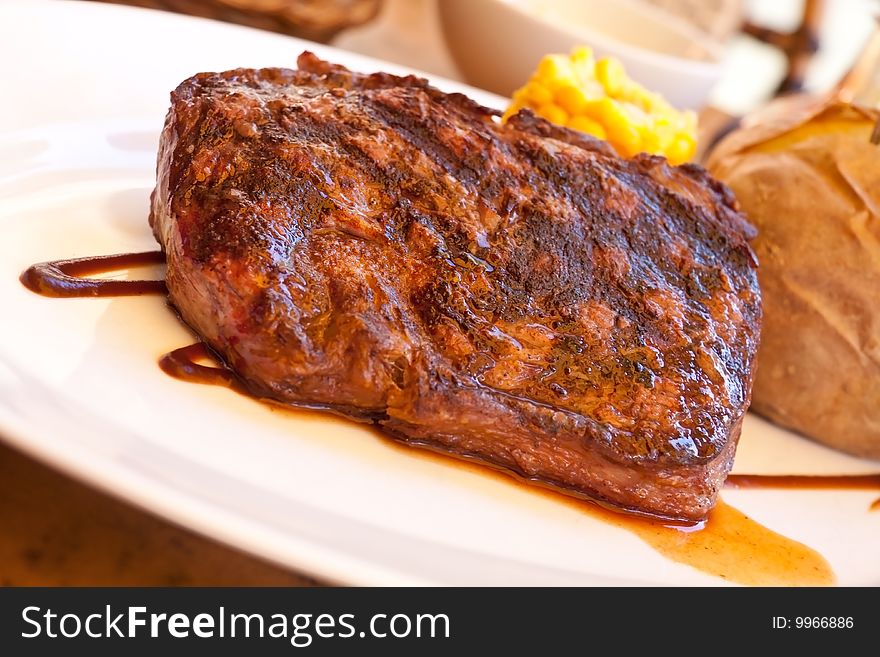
728	544
824	482
182	364
68	278
850	482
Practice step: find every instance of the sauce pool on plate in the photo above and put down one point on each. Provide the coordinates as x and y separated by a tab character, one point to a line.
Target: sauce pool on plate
729	544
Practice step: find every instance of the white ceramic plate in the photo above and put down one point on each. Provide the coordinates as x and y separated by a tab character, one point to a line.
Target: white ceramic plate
85	90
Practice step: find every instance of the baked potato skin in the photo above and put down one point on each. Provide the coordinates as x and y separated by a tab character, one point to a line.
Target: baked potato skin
809	179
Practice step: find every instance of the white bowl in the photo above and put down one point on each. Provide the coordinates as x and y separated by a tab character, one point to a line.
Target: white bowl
498	43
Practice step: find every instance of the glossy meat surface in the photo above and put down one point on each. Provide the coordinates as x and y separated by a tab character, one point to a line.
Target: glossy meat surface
516	294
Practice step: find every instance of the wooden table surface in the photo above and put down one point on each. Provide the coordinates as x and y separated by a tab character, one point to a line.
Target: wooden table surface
55	531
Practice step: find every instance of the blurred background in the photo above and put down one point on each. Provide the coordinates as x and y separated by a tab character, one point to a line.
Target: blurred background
731	54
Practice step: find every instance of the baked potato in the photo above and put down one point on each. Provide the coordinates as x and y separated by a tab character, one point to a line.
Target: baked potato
808	176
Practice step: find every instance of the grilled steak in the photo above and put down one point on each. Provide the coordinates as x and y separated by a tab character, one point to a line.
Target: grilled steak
513	293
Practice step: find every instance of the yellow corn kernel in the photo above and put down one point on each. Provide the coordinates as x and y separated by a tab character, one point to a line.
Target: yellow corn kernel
663	120
582	55
650	142
656	105
681	150
662	138
621	131
600	109
537	94
597	97
518	101
583	124
510	111
636	114
583	63
610	73
572	99
625	138
553	113
555	71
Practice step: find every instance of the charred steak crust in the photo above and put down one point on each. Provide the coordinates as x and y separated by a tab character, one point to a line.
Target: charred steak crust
513	293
